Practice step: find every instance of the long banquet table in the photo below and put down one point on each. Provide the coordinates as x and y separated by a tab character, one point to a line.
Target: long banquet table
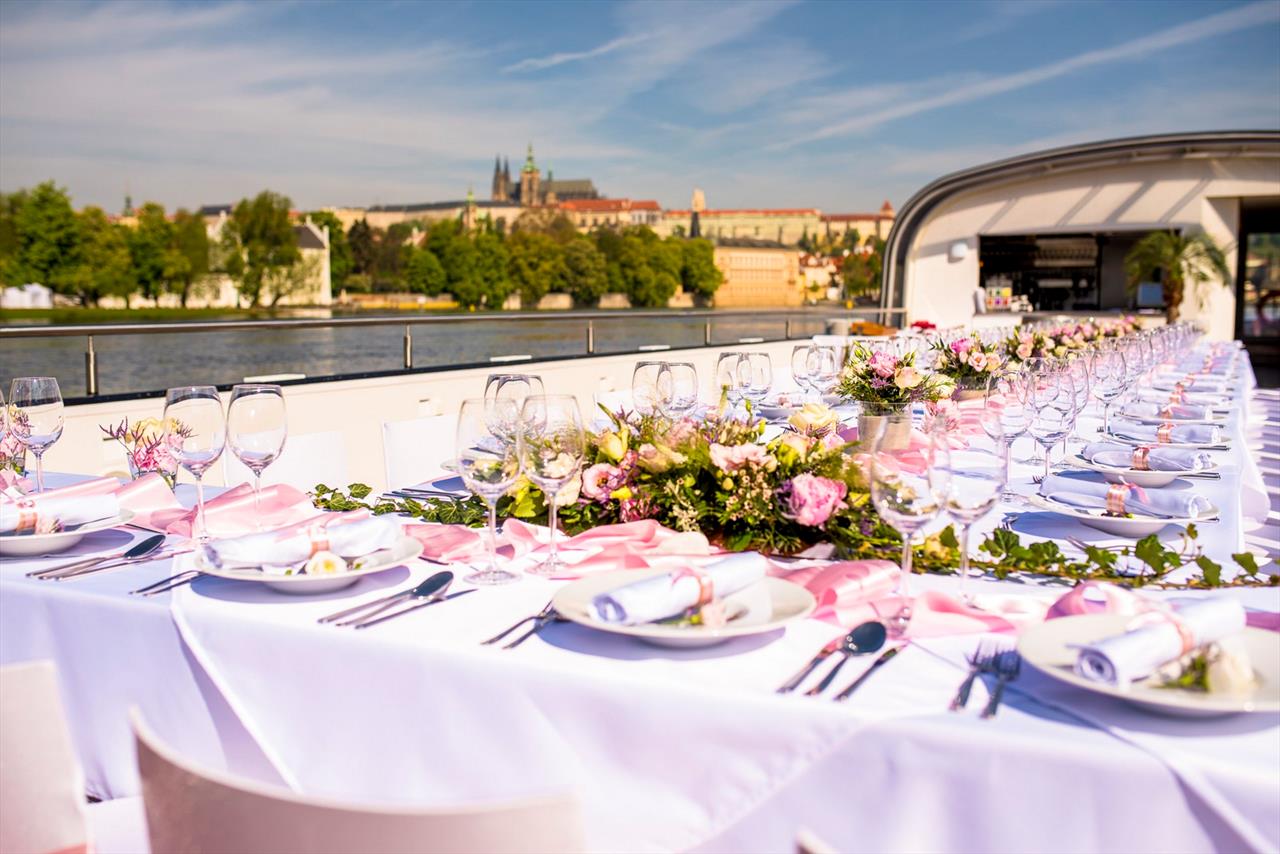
666	749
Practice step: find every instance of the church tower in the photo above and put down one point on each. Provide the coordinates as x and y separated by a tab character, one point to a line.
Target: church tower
506	179
499	191
529	181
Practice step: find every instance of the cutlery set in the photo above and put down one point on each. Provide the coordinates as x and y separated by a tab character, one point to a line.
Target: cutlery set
430	592
865	639
1002	662
540	620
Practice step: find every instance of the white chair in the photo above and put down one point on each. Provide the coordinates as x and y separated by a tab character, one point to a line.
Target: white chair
307	460
42	801
415	450
199	810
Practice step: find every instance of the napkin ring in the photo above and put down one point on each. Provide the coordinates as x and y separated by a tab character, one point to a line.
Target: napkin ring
1177	396
1116	494
1186	637
319	538
1164	433
1140	455
28	520
706	587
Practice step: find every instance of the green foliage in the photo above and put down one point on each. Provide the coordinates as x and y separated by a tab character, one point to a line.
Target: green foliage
364	248
492	269
186	259
424	273
46	237
536	264
341	258
260	243
649	267
586	276
698	271
149	240
1180	260
104	268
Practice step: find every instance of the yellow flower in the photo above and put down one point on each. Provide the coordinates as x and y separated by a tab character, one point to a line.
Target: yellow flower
622	493
813	418
613	445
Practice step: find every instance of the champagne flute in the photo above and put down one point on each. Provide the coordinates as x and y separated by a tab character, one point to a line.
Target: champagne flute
552	446
647	394
683	395
972	479
1079	368
256	430
906	496
488	466
35	417
195	431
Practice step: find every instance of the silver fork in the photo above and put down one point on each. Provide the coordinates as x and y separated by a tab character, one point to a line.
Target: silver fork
543	614
1008	665
980	661
185	577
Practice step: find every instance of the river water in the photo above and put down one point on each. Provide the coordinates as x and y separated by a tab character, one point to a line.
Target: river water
148	363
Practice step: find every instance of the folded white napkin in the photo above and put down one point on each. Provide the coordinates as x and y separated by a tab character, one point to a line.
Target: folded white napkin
295	544
1086	492
672	593
1158	458
1183	434
1156	641
56	513
1204	398
1184	411
1211	385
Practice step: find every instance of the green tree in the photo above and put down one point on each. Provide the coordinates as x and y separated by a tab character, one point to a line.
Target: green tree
260	243
392	253
1181	261
10	205
47	238
536	264
698	272
424	273
149	242
586	273
341	259
186	260
492	268
105	266
459	257
609	242
364	247
650	269
547	221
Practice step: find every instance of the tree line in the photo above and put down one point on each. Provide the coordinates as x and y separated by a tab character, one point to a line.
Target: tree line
87	256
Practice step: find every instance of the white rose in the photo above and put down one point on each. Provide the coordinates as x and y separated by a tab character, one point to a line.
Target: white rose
813	418
325	563
907	377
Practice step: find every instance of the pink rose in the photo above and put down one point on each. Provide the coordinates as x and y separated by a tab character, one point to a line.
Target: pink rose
599	480
978	361
1024	351
734	457
813	499
882	363
961	346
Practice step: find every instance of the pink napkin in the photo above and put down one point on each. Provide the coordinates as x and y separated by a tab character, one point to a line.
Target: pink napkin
1094	597
146	496
233	512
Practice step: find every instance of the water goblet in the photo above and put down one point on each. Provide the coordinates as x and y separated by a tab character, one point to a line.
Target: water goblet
513	387
647	392
756	377
1005	416
1108	379
730	380
489	465
972	480
682	398
256	430
35	417
906	496
824	369
1053	407
551	445
800	368
195	432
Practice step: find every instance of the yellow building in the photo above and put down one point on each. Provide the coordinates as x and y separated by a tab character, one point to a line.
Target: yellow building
781	225
758	273
587	214
866	224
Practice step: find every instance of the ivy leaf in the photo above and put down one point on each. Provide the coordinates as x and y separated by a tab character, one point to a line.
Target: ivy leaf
1212	571
1102	557
359	490
1149	551
1247	562
947	536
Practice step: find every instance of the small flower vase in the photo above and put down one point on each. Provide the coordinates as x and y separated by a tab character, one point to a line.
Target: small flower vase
135	472
897	430
14	461
968	390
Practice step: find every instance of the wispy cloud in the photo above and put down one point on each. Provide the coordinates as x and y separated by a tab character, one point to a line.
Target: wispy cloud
1263	13
543	62
998	17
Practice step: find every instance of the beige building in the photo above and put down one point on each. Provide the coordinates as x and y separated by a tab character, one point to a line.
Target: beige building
758	273
613	213
867	225
384	216
781	225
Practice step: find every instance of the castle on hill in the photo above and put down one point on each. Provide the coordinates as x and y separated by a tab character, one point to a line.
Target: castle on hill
531	190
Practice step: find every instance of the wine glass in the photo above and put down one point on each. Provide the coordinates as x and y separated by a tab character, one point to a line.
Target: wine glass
195	431
682	398
489	466
729	379
256	430
1052	398
800	368
906	495
824	369
1005	415
1108	379
35	417
972	480
1031	368
647	392
755	376
513	387
1079	367
552	446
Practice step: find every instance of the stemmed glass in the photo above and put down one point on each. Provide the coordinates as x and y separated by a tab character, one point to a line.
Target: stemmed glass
489	466
1078	368
800	368
513	387
256	430
552	446
1108	379
972	479
1006	415
729	380
824	369
1031	368
647	387
755	376
682	396
35	417
1053	407
195	431
906	495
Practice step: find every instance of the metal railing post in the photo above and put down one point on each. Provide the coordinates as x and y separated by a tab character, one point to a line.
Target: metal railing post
90	369
408	348
706	334
591	337
788	333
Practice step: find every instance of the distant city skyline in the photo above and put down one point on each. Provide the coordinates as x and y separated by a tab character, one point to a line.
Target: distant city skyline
837	106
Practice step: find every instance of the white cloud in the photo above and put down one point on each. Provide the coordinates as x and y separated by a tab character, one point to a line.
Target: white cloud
540	63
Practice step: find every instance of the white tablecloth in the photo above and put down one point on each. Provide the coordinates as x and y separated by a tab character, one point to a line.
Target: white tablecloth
667	749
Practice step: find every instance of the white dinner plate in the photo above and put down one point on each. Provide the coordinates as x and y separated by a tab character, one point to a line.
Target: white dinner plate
1224	445
770	605
25	545
1136	527
1048	648
1146	478
405	550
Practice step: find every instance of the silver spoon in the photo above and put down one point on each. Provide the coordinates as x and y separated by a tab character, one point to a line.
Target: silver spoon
141	549
435	585
864	639
430	584
421	598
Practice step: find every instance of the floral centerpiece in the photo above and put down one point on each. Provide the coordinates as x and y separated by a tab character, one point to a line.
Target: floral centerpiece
147	445
886	385
968	362
13	454
1061	341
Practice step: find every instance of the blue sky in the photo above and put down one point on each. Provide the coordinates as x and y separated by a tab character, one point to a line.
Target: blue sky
768	104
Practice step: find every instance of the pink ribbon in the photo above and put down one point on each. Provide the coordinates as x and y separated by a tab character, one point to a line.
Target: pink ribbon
145	497
233	512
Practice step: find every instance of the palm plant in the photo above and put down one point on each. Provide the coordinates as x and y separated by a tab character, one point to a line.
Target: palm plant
1183	260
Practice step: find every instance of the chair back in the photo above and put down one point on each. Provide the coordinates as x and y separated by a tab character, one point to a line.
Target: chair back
199	811
42	801
415	450
308	459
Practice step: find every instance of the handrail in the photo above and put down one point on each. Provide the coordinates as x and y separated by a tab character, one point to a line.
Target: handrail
34	331
89	330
